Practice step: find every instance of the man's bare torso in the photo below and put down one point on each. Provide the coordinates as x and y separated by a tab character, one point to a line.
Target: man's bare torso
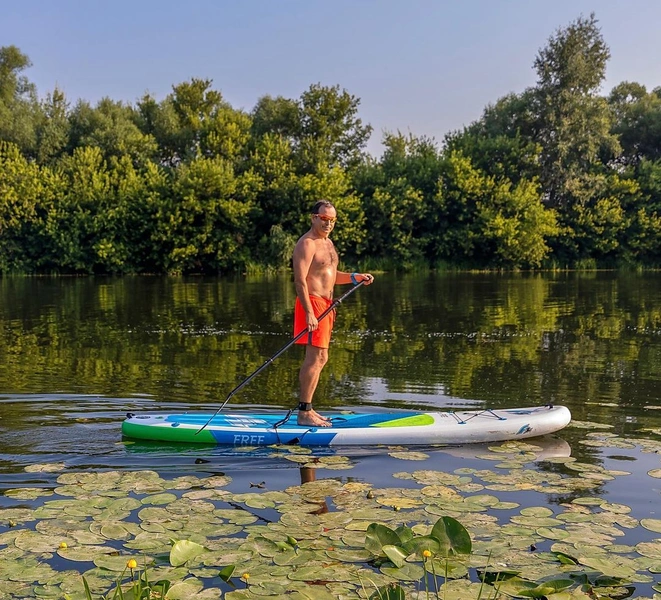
323	268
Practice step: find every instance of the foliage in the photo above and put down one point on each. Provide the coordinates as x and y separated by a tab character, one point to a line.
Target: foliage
443	554
554	175
19	108
21	190
637	116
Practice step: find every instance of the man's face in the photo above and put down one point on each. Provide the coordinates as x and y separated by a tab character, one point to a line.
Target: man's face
325	220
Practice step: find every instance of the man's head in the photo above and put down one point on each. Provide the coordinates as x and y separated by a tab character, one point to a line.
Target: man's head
324	216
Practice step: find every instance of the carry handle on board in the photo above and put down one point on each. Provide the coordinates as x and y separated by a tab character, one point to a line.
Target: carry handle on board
290	343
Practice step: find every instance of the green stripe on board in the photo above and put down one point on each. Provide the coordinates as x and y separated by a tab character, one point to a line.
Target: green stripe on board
167	434
417	420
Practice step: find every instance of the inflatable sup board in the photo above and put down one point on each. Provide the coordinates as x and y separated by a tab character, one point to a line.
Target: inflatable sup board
350	429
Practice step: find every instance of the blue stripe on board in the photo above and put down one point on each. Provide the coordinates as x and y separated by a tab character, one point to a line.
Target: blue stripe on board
245	421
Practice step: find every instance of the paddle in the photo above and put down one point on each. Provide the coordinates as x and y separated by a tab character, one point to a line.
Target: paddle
290	343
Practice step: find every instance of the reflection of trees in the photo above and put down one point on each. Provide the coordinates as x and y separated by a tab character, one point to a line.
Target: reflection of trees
505	339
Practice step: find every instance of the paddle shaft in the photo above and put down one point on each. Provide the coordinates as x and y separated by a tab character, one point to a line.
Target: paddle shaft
288	345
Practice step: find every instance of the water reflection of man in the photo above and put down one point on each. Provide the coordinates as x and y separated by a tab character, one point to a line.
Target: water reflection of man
309	474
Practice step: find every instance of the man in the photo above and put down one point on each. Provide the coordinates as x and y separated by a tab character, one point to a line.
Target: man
315	273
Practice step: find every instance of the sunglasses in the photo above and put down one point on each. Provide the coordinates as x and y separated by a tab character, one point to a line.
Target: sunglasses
326	218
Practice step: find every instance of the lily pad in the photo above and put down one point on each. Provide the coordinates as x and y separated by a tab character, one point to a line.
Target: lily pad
45	468
409	455
651	524
187	590
408	572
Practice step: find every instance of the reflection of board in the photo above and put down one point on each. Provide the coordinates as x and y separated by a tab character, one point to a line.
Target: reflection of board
351	429
541	448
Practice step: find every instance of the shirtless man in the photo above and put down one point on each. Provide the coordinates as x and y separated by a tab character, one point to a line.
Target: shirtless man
315	273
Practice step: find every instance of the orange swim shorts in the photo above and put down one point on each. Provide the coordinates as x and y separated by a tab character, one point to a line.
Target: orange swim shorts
321	337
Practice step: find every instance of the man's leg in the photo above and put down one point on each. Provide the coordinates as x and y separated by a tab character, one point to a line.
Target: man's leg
315	359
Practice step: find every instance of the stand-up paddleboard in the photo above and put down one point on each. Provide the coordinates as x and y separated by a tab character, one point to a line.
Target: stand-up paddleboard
350	429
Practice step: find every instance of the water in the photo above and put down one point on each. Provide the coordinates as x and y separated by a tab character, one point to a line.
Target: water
78	353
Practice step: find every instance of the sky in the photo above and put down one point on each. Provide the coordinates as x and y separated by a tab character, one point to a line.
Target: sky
421	67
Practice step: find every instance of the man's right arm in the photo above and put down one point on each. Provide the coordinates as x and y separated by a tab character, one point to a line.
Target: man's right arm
302	259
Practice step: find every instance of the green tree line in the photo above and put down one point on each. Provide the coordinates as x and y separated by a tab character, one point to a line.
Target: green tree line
555	176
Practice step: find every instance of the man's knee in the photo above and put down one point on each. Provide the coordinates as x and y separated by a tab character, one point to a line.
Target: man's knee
317	356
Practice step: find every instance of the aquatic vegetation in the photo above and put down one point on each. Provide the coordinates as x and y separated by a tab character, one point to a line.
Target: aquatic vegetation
442	534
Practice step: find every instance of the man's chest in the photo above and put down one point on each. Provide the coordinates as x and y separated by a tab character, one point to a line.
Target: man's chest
325	255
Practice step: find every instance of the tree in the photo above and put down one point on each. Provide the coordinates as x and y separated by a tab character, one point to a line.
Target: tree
71	221
271	163
19	107
21	190
14	86
111	127
574	130
204	223
489	221
160	120
322	127
399	199
331	133
642	238
194	121
279	116
573	124
502	142
637	122
53	129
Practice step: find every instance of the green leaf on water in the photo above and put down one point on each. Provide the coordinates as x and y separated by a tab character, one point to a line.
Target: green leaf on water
589	425
351	555
408	572
118	563
420	543
607	566
565	559
395	554
183	551
185	590
409	455
452	536
651	524
536	511
552	533
163	498
399	502
45	468
377	536
588	501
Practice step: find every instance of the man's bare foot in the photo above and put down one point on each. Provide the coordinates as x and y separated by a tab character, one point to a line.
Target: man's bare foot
327	419
312	418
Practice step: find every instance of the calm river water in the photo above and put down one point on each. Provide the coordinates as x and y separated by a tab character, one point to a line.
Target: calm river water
78	353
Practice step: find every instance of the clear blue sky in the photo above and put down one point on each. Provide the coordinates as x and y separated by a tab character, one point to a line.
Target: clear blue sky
419	66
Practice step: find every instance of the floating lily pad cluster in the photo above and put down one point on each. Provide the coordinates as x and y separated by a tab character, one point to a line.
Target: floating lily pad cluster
309	540
612	440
